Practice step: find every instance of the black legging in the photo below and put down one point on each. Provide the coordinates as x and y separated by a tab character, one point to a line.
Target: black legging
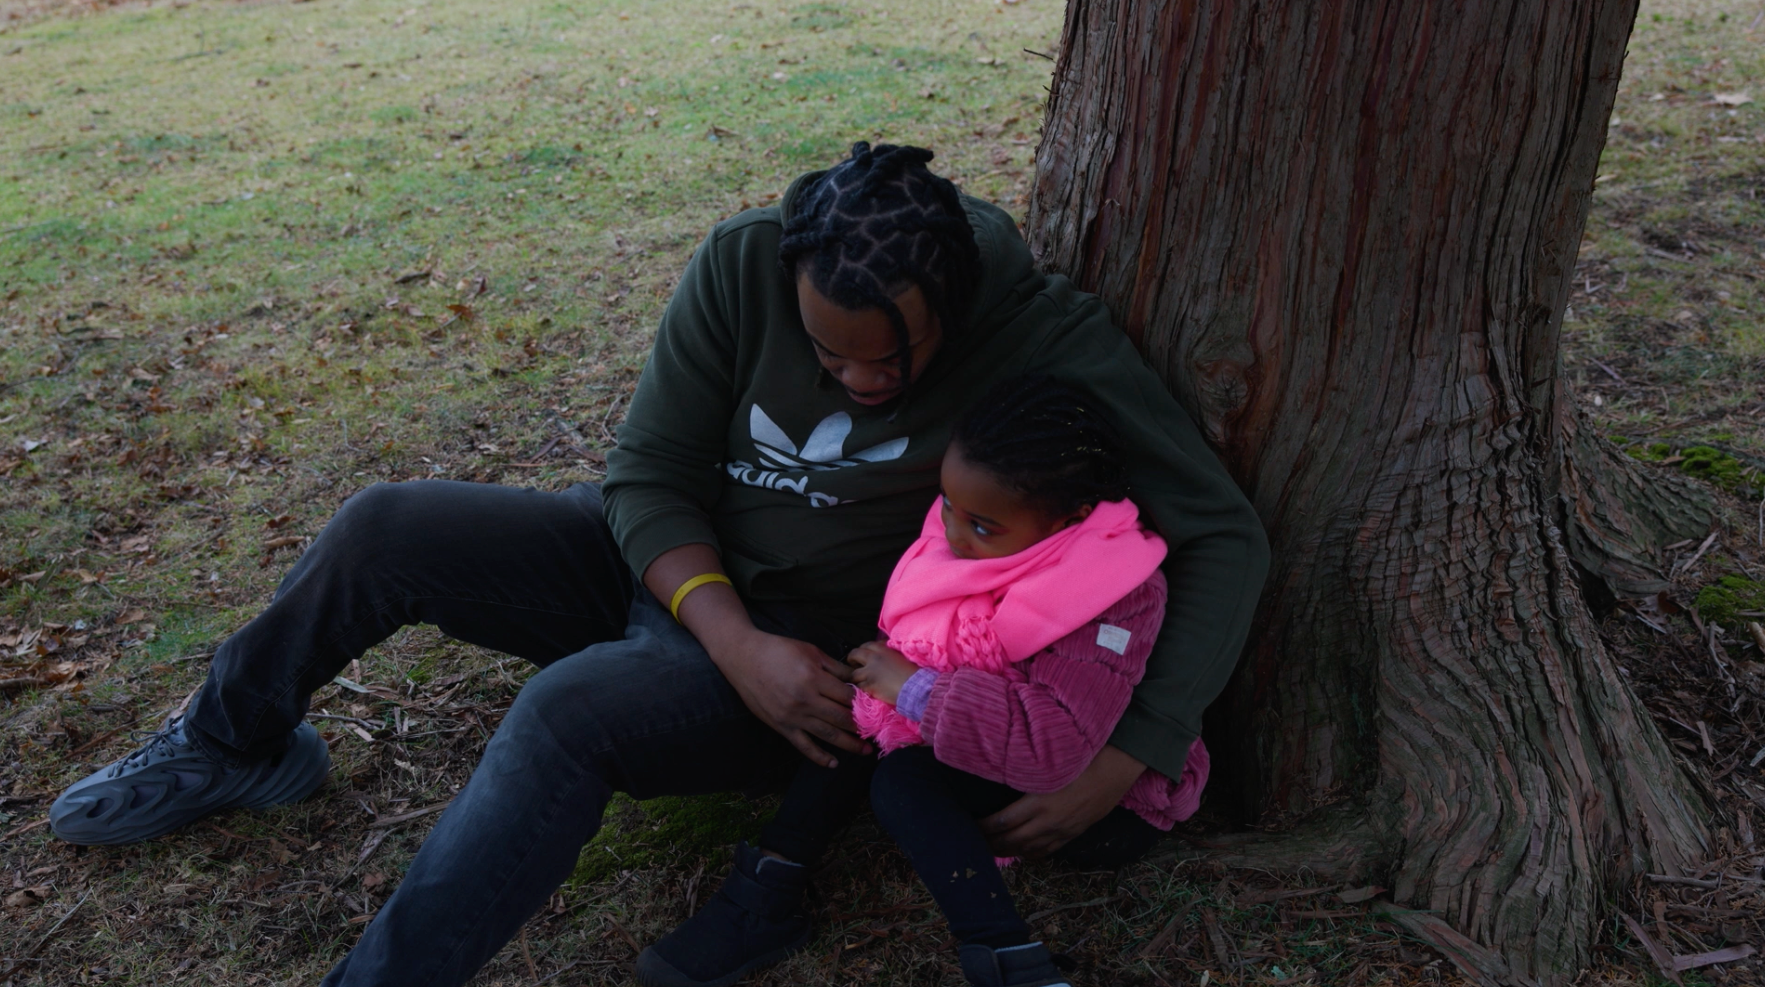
931	810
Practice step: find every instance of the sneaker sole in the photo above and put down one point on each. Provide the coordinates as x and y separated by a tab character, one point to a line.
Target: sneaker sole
316	757
309	748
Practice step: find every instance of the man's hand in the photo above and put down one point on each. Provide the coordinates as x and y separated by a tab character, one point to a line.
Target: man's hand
880	670
1036	825
790	685
795	689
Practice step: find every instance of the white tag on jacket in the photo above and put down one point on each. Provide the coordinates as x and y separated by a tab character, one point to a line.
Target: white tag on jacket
1114	638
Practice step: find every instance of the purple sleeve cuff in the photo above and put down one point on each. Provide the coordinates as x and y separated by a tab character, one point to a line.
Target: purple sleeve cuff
915	692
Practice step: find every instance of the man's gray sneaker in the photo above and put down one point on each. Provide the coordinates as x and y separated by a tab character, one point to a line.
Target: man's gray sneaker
169	781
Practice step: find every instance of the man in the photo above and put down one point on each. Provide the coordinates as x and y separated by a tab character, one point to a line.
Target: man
778	456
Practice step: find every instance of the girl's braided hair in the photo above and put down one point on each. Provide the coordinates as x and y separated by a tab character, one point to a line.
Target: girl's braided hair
876	224
1046	442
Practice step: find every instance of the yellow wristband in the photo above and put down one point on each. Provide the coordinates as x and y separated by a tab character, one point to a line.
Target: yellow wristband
692	584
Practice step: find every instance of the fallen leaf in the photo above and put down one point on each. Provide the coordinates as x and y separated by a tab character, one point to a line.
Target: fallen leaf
373	880
283	542
137	543
1731	99
88	578
1358	895
28	897
278	521
132	617
33	576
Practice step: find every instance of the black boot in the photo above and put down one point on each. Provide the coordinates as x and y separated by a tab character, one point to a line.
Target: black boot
754	920
1014	966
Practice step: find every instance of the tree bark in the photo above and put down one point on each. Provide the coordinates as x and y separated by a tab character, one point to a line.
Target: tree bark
1343	232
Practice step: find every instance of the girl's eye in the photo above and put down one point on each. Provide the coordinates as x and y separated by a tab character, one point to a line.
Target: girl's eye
981	529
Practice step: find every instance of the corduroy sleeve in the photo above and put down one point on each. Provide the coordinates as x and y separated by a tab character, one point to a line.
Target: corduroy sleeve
1040	734
1219	552
663	477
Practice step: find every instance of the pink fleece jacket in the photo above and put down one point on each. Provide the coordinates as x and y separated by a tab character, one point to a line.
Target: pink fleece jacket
1028	662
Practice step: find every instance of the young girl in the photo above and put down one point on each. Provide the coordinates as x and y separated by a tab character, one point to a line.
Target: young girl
1017	626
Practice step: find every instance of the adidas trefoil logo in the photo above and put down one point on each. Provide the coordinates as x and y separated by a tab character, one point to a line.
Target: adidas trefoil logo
825	450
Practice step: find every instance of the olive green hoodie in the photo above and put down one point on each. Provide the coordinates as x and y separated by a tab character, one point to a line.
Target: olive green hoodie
734	439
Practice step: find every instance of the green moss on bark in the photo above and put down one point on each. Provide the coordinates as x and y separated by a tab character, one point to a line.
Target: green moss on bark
1706	463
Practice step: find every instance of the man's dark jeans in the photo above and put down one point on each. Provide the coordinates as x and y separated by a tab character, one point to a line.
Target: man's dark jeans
626	700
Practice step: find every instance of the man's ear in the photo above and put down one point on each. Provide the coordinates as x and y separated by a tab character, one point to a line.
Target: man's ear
1078	516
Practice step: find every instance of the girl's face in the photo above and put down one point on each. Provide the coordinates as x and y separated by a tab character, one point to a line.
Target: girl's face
860	348
983	519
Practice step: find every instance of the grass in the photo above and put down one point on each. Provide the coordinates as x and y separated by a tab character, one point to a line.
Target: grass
1665	333
256	256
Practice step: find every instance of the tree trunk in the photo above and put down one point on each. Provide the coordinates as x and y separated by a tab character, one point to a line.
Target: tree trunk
1343	232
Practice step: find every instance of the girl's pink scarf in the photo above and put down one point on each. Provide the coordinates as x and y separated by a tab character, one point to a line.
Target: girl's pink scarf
945	612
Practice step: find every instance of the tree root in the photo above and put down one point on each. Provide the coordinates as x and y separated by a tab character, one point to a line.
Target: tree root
1620	515
1340	846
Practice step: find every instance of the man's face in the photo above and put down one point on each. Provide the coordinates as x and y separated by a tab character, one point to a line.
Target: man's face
860	348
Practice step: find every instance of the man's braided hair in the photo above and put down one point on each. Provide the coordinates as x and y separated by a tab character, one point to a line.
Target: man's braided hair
876	224
1046	442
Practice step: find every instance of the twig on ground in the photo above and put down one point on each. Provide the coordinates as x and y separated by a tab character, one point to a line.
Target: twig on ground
21	830
527	954
1169	932
1701	883
1609	371
1044	913
406	817
38	948
1728	955
560	970
346	719
629	939
22	682
1686	565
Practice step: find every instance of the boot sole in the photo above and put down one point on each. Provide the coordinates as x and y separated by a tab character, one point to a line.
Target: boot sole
654	971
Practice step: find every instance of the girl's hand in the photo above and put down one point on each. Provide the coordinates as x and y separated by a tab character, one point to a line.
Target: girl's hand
880	670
